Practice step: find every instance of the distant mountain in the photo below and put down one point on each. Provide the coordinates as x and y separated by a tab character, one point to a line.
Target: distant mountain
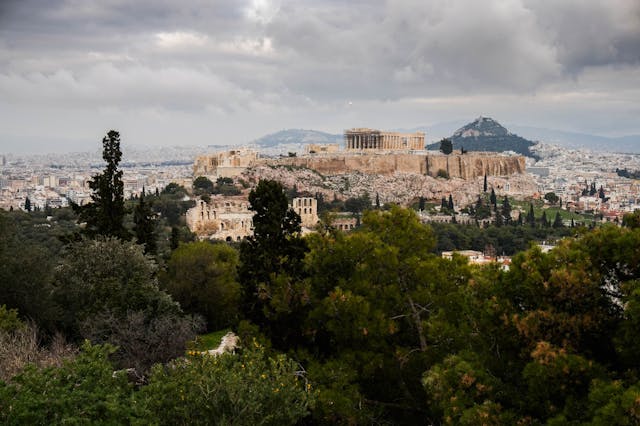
486	134
629	143
297	136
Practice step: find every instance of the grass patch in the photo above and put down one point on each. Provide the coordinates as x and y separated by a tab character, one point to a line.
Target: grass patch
204	342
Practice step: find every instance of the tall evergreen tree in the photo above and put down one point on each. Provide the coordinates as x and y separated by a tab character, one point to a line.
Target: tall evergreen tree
485	183
543	220
105	214
377	200
493	199
27	204
531	217
506	210
144	220
174	240
557	222
451	207
271	268
421	203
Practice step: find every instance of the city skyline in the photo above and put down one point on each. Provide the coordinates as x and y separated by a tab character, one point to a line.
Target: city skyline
228	72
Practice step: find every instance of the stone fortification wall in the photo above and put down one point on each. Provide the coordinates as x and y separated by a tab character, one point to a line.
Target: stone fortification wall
465	166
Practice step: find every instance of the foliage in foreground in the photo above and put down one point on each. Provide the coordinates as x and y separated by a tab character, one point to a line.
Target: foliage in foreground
245	389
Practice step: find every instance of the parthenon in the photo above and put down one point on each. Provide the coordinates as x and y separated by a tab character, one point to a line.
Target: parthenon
371	139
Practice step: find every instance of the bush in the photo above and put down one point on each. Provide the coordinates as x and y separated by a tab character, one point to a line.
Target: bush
141	338
21	346
442	174
246	389
83	390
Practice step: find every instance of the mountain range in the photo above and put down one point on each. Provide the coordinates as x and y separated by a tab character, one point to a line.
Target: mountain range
517	139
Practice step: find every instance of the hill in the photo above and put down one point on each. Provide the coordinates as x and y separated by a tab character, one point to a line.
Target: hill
486	134
629	143
297	136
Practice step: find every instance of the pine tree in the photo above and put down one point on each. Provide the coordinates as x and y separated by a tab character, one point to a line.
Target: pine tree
144	220
446	146
105	214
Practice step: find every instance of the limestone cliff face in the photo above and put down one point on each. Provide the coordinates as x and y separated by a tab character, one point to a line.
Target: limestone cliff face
467	166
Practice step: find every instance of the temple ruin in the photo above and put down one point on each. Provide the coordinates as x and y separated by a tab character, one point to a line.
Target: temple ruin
371	139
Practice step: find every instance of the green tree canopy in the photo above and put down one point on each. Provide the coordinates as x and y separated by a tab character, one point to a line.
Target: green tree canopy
446	146
202	277
107	274
271	265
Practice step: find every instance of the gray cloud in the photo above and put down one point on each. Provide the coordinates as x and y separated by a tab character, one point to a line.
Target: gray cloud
271	62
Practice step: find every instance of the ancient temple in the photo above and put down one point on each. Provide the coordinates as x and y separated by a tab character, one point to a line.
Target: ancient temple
371	139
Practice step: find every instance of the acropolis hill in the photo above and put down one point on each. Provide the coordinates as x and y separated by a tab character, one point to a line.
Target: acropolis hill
372	152
465	166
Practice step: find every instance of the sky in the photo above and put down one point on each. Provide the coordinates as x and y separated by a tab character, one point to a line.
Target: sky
215	72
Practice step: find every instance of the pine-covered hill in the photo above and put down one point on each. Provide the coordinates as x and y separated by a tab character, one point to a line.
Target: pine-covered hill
486	134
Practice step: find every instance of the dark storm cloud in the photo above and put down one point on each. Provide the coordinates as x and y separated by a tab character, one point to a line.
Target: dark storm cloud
234	58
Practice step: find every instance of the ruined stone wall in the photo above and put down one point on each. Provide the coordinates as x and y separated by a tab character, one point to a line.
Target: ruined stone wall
223	218
307	209
224	164
465	166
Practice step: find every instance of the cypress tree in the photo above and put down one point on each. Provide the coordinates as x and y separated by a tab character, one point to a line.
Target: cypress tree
531	217
105	214
485	183
143	218
450	203
557	222
27	204
506	210
543	220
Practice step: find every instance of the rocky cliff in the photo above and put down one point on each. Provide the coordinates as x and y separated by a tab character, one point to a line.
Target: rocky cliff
465	166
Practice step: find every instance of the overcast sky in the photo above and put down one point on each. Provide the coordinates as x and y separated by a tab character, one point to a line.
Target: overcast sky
199	72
